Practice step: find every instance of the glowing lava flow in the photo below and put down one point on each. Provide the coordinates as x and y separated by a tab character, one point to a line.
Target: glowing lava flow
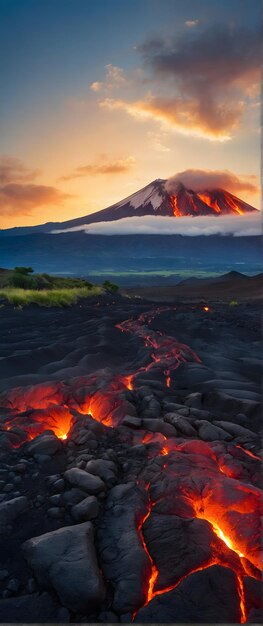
154	571
224	538
241	593
249	453
128	382
206	198
225	199
49	406
167	351
168	378
175	207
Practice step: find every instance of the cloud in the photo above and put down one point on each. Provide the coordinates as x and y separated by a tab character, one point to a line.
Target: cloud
176	114
103	166
202	81
22	199
191	23
96	86
13	170
212	69
190	226
114	77
203	180
18	194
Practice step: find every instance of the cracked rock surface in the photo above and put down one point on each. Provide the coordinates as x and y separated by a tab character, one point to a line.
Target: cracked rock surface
130	463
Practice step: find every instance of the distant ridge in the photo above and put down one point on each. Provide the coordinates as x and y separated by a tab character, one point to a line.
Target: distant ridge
231	287
224	278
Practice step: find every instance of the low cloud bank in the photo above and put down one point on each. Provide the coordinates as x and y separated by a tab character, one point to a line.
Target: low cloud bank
239	226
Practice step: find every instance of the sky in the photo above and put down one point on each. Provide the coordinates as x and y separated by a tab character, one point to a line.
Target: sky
100	98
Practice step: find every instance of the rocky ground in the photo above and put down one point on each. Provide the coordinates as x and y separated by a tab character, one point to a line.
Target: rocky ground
130	463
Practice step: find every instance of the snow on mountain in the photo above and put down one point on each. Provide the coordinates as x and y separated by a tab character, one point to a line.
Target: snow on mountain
151	194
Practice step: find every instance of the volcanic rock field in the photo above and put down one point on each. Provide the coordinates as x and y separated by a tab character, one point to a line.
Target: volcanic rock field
130	462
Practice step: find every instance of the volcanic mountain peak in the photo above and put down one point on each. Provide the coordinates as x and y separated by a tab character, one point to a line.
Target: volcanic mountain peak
155	199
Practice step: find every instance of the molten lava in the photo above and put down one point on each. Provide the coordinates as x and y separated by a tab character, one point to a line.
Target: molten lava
166	351
176	210
249	453
206	198
224	538
221	201
154	571
186	202
128	382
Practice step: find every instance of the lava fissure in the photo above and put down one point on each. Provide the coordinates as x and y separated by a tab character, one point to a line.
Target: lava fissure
154	571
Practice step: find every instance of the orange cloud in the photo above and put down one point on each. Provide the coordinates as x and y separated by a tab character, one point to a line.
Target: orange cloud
23	198
18	194
178	114
119	166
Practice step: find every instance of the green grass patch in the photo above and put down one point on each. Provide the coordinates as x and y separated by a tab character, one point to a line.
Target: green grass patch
48	297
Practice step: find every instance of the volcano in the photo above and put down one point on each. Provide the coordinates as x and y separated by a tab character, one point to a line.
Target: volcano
154	199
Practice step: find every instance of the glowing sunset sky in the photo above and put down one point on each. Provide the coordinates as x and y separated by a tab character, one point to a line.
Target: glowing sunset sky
100	98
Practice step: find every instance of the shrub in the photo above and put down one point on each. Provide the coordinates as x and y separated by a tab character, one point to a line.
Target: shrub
111	287
24	270
22	281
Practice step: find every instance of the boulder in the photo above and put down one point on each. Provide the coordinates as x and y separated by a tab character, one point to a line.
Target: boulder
157	425
236	430
85	510
209	432
123	558
10	510
180	423
106	470
65	561
73	496
132	422
45	444
85	481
